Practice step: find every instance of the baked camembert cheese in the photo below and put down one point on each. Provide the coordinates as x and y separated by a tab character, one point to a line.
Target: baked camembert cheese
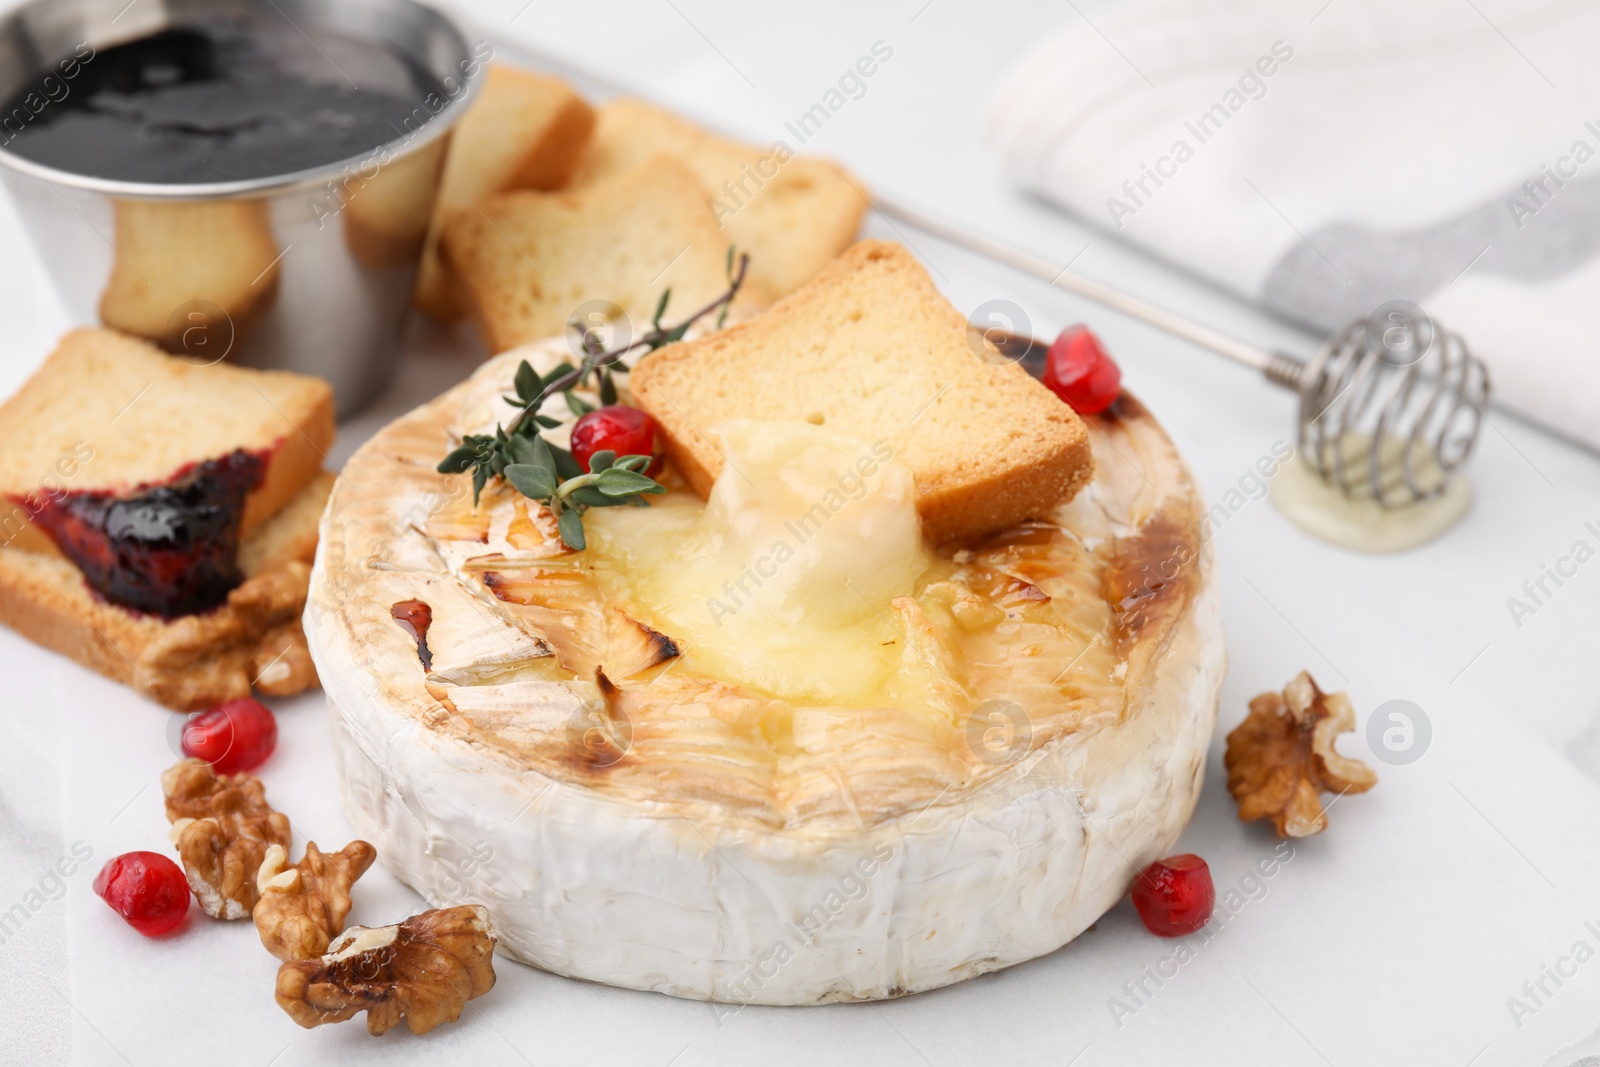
774	747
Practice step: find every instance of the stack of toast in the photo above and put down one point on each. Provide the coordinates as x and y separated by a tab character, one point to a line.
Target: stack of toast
127	473
548	209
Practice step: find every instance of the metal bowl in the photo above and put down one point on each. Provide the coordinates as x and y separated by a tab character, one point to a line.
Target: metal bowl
337	245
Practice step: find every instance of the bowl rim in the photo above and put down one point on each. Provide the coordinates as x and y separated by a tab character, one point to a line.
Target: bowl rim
438	124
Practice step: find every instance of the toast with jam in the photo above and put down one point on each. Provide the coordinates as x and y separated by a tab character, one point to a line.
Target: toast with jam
151	503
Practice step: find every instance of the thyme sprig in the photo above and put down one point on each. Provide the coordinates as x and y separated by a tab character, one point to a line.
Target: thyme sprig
544	472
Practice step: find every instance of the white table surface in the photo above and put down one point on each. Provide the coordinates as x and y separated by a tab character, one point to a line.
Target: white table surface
1397	937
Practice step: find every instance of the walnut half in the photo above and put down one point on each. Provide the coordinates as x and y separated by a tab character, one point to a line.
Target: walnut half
253	639
422	970
223	826
1281	759
302	906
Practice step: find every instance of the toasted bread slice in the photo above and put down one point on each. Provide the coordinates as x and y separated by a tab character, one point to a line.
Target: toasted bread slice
290	534
526	262
793	214
195	661
525	131
177	260
871	348
110	413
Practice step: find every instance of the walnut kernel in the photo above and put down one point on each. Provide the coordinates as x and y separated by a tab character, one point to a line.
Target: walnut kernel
255	638
301	907
422	970
223	826
1281	759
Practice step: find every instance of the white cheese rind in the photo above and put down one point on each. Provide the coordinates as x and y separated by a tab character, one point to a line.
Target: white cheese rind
636	895
827	882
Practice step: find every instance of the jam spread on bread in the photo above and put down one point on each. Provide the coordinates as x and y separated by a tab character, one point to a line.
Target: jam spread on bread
169	549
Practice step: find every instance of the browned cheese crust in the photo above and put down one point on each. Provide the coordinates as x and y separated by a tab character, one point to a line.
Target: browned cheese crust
1122	564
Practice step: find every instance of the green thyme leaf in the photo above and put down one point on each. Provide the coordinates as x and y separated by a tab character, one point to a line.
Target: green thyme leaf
521	449
733	283
480	478
601	460
589	497
614	481
674	335
532	481
577	405
547	421
527	383
571	526
459	461
566	466
633	463
661	307
543	457
608	388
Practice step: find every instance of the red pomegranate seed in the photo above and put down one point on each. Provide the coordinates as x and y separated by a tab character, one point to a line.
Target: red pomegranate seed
624	430
148	890
1079	371
1175	896
232	737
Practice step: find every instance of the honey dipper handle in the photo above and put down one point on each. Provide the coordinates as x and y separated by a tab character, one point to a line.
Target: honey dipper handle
1274	365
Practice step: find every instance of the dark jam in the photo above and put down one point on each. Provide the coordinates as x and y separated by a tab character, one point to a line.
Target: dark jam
170	549
217	101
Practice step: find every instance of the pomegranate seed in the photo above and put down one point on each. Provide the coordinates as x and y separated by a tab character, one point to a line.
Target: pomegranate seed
624	430
1079	371
1175	896
148	890
232	737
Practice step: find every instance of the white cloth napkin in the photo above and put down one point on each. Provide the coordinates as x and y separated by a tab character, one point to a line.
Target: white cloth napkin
1325	156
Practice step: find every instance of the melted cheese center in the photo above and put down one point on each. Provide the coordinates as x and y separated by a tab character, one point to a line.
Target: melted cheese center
785	579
